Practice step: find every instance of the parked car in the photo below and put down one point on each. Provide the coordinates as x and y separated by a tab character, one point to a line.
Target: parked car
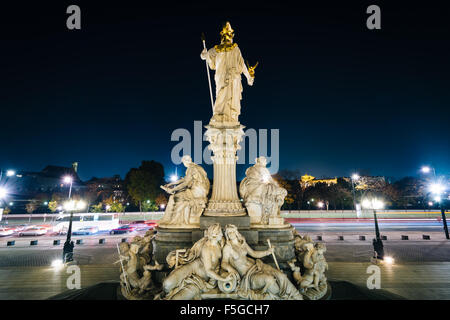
33	231
6	232
123	229
85	231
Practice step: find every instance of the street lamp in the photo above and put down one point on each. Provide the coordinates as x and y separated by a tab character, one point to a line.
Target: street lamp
320	204
10	173
437	189
427	169
354	178
173	178
375	204
71	206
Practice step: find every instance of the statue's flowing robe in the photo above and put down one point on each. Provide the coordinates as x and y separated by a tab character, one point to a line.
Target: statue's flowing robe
229	66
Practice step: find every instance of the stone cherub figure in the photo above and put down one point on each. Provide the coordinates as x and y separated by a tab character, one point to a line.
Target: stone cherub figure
188	197
196	270
309	267
226	59
262	195
136	278
257	280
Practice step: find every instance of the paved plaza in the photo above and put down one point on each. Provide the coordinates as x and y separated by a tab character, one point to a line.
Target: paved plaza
421	269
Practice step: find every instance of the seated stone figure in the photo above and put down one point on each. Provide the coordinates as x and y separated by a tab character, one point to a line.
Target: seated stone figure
262	195
196	269
257	280
188	197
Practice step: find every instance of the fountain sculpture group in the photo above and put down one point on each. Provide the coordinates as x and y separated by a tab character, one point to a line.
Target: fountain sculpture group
224	247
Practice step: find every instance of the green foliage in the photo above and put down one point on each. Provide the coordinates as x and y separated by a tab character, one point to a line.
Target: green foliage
53	206
96	208
7	210
116	207
144	182
149	206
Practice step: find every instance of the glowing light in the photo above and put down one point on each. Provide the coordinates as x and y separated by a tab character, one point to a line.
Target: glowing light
3	193
57	264
74	205
162	206
11	203
355	176
425	169
389	260
320	204
437	198
10	173
372	203
173	178
437	188
148	201
68	179
430	203
107	207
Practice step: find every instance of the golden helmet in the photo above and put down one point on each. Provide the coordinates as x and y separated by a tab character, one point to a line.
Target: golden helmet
227	30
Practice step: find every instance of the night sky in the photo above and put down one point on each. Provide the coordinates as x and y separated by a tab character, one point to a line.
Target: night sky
344	97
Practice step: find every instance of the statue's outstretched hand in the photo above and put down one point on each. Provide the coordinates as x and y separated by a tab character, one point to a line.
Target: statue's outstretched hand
270	251
250	81
204	54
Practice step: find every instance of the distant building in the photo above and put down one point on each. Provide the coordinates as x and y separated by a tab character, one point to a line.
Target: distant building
49	180
107	187
310	181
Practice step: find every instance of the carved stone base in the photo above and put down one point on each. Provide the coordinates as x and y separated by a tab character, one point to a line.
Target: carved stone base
323	291
169	239
224	208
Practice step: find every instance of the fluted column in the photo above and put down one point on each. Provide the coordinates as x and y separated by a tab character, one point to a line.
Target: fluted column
224	143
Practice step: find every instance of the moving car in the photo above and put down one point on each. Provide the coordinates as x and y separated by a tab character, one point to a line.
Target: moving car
20	227
140	226
85	231
6	232
123	229
33	231
151	223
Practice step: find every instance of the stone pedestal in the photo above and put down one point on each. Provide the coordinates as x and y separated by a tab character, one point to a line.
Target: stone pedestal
224	142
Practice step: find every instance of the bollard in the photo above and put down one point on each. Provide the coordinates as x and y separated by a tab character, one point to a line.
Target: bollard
33	243
426	237
319	238
10	243
124	239
79	241
341	238
362	238
101	241
405	237
383	237
56	242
